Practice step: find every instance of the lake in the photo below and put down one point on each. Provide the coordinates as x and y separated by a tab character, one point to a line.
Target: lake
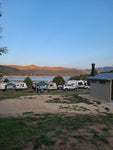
37	79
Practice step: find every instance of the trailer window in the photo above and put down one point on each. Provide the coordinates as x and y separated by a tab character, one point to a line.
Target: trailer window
22	85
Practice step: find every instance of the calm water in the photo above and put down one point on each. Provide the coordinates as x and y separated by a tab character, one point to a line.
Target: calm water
37	79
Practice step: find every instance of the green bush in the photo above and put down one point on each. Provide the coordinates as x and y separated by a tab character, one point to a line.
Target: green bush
59	80
28	81
6	80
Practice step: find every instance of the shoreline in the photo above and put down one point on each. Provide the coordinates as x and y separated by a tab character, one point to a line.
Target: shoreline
31	76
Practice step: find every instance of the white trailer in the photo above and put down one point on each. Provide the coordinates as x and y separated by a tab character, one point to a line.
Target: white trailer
52	86
21	86
18	86
2	86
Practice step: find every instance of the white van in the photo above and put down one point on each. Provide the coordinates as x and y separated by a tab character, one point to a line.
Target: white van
69	86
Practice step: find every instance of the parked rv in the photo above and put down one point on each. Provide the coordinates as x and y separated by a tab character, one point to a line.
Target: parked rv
21	86
74	84
52	86
2	86
12	85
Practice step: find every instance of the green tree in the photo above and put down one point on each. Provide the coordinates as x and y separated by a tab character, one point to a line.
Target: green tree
80	77
2	49
59	80
28	81
6	80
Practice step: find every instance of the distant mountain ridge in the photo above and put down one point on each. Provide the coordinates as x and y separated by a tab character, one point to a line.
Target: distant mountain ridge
103	69
33	70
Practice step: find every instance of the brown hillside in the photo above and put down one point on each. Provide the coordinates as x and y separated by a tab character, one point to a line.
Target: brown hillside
34	67
33	70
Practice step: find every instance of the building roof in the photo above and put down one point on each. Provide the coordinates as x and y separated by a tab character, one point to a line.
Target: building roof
102	76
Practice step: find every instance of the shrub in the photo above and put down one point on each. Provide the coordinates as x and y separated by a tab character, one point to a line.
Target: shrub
59	80
6	80
28	81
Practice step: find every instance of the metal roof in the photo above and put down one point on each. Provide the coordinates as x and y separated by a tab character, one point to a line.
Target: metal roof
102	76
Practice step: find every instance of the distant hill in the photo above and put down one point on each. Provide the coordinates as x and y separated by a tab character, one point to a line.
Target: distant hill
103	69
9	70
33	70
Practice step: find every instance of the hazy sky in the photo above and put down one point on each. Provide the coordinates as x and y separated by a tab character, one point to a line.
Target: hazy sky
69	33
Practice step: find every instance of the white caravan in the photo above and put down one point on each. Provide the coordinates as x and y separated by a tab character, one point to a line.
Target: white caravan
2	86
21	86
52	86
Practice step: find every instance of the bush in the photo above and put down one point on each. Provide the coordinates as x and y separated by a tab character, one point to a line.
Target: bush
59	80
6	80
28	81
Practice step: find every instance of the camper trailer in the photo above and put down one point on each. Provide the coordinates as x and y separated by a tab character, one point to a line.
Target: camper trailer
52	86
21	86
11	85
2	86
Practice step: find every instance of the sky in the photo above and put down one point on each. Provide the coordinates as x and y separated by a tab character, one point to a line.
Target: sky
67	33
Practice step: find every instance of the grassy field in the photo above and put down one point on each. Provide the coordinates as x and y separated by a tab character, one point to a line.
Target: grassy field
56	131
53	132
15	94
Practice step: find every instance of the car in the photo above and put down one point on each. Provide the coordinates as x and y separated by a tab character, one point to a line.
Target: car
34	86
69	87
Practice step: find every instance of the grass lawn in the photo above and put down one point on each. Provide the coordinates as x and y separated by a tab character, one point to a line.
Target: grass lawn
15	94
56	131
53	132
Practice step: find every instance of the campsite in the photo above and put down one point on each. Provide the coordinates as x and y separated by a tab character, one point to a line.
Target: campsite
56	75
54	120
40	115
